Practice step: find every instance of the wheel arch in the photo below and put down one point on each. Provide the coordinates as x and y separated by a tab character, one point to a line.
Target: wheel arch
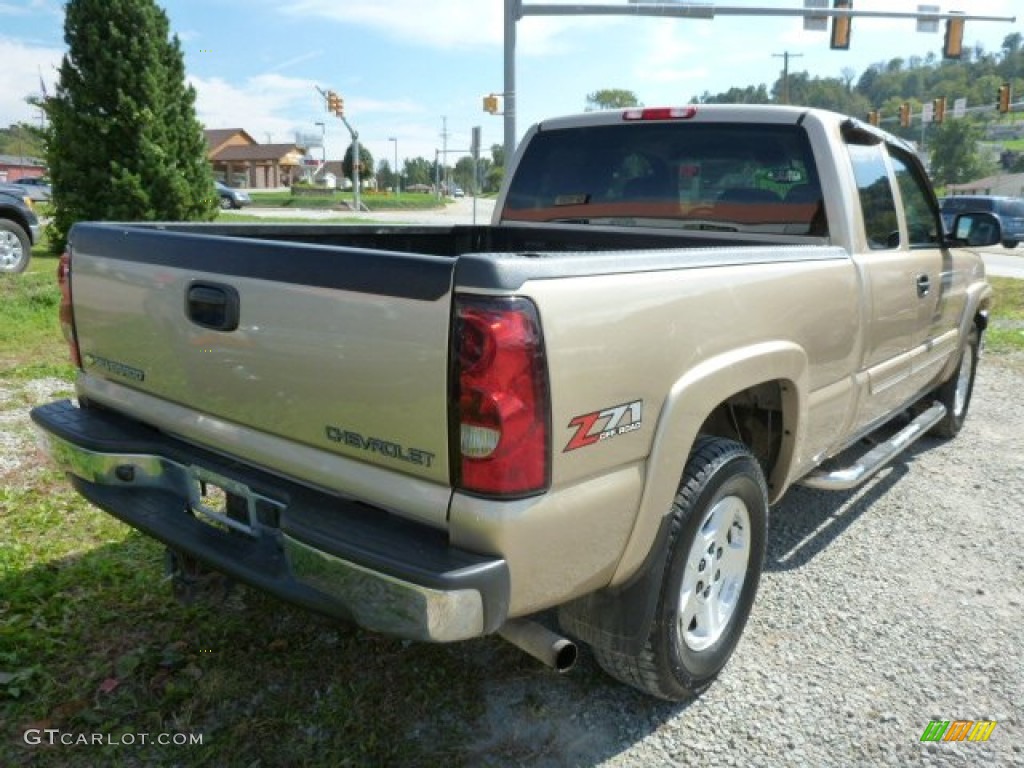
774	374
14	216
976	309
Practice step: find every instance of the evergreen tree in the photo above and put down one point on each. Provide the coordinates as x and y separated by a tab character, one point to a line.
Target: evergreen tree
124	143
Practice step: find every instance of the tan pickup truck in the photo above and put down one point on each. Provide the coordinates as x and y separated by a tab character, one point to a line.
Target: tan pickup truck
588	405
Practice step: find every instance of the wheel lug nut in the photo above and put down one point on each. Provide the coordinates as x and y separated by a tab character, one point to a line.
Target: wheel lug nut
718	575
707	593
703	564
720	553
711	549
700	586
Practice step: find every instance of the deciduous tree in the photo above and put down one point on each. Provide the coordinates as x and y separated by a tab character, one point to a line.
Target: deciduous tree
365	164
611	98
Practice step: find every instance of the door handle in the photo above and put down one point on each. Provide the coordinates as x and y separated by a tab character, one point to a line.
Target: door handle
213	305
924	286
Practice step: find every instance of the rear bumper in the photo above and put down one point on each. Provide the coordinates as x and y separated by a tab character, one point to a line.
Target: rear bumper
311	548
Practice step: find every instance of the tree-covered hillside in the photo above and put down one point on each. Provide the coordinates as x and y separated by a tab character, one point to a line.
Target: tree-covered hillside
886	85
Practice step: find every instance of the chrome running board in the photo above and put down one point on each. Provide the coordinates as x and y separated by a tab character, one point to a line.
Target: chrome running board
850	477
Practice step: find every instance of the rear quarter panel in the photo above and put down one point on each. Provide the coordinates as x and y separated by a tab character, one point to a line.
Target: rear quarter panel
648	355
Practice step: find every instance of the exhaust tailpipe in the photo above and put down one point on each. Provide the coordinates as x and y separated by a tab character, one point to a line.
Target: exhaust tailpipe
549	648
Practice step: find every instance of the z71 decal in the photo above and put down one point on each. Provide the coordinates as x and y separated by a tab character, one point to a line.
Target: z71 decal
603	425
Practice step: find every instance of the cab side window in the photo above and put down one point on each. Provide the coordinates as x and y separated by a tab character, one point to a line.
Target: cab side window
871	171
922	218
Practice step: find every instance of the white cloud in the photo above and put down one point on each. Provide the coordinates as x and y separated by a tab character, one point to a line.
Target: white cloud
275	106
257	105
30	8
23	66
447	24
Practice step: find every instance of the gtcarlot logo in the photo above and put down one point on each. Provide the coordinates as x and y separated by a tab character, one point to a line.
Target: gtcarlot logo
958	730
55	737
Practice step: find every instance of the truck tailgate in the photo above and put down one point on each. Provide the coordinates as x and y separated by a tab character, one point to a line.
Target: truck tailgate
344	350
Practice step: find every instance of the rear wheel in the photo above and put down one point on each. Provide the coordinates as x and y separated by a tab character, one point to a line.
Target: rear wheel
715	554
955	394
15	247
1010	243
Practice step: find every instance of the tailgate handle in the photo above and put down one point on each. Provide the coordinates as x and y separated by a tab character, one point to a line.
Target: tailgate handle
213	305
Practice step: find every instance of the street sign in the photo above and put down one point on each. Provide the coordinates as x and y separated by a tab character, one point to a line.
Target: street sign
816	23
927	112
960	107
928	24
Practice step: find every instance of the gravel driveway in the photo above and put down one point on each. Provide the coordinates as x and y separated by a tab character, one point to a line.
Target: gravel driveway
881	609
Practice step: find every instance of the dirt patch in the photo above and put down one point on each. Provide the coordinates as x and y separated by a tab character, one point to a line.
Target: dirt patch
19	453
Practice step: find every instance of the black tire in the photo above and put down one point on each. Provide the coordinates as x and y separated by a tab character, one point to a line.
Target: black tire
722	503
15	247
1010	243
226	204
955	394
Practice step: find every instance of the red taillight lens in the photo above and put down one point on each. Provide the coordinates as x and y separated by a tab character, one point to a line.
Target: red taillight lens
660	113
500	398
66	313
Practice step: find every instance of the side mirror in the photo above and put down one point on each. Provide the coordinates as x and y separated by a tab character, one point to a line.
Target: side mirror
976	229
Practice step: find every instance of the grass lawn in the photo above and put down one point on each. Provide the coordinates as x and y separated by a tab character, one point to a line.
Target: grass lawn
1006	330
372	200
92	642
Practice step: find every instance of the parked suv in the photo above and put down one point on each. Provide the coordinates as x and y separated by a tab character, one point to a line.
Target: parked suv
1009	211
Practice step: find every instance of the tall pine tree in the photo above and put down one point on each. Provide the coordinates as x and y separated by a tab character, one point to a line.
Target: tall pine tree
124	143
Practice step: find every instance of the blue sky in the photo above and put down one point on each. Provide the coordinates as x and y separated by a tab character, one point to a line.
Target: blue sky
403	65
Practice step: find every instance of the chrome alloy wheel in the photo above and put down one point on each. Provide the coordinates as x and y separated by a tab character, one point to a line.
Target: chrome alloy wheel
11	250
716	568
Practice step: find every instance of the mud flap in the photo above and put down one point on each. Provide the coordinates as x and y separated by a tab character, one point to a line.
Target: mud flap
619	619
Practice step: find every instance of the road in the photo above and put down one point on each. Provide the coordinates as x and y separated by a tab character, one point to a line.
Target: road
999	261
1003	262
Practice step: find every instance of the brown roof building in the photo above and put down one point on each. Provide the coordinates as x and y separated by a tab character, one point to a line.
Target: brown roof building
240	161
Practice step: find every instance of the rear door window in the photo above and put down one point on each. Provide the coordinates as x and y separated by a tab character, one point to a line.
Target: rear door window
881	225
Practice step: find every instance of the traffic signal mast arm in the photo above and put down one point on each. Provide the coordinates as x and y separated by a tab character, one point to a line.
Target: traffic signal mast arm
336	104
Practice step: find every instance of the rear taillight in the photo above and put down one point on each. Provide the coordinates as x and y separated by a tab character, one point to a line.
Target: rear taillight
660	113
500	398
66	313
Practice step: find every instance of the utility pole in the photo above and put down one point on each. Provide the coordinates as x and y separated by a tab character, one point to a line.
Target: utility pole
786	56
444	151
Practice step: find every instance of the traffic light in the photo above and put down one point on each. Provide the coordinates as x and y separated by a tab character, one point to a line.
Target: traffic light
335	104
841	26
1005	96
939	109
905	114
491	103
873	117
953	47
